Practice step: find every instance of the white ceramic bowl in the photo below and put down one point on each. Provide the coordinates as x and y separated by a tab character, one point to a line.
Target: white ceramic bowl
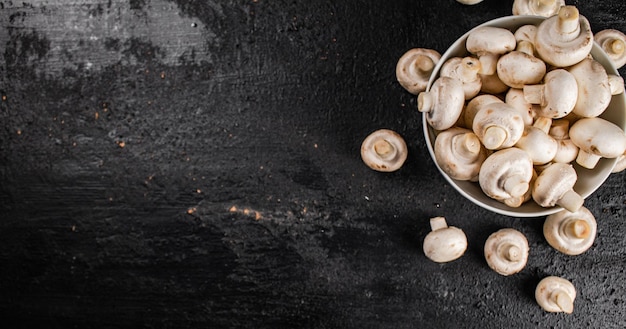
588	180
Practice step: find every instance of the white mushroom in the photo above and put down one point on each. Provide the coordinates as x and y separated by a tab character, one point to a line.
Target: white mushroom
488	43
544	8
469	2
520	67
564	39
594	91
474	105
571	233
498	125
597	138
540	146
526	33
515	202
414	68
616	82
556	96
567	151
443	103
459	153
506	251
613	42
554	186
506	174
555	294
491	84
384	150
515	98
465	70
621	164
444	244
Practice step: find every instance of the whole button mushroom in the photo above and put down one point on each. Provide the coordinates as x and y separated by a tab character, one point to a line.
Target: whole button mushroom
506	251
465	70
554	186
567	151
498	126
414	68
459	153
520	67
541	147
384	150
613	42
564	39
571	233
443	103
594	91
444	244
557	95
474	105
506	174
488	43
597	138
555	294
545	8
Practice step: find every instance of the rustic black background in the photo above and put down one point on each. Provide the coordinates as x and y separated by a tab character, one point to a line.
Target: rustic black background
187	164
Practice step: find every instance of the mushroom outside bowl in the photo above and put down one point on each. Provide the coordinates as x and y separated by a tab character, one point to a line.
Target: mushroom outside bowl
589	180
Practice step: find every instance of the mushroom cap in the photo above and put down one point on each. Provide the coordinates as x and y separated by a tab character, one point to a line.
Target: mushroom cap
554	185
490	39
566	152
517	69
474	105
491	84
515	98
498	125
444	243
384	150
594	91
564	39
465	70
541	147
443	103
545	8
526	33
555	294
613	42
597	137
557	96
414	68
469	2
621	164
506	251
459	153
506	174
571	233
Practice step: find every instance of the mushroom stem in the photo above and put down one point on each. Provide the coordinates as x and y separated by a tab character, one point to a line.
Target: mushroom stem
488	63
571	201
438	223
493	137
526	47
466	145
515	185
568	24
425	101
423	65
563	301
587	159
511	252
577	228
384	149
614	46
543	123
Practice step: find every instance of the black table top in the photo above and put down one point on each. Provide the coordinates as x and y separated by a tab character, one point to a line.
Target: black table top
192	164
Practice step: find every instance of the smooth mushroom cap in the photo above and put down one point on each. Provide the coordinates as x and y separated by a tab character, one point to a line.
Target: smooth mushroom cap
506	251
384	150
555	294
620	165
571	233
594	91
526	33
616	83
414	68
465	70
459	153
518	68
498	125
554	186
444	244
597	138
557	96
613	42
443	103
567	151
545	8
564	39
474	105
541	147
488	43
515	98
506	174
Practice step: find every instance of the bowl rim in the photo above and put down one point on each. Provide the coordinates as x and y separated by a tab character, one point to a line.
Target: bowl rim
511	22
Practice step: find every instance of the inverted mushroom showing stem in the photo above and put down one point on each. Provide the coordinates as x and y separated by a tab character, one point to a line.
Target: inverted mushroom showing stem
613	42
444	244
443	103
555	294
545	8
597	138
557	95
554	186
498	126
520	67
594	91
474	105
567	151
414	68
564	39
459	153
506	251
488	43
571	233
465	70
506	174
384	150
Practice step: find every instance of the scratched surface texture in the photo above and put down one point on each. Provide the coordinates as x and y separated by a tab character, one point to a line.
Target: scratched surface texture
187	164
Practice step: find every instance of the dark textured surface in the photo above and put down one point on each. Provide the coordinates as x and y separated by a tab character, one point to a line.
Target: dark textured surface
192	164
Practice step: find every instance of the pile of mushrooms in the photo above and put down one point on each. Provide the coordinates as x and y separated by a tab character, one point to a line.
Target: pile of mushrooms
519	136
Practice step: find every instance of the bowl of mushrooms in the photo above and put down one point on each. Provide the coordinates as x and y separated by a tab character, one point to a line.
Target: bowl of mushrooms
525	115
